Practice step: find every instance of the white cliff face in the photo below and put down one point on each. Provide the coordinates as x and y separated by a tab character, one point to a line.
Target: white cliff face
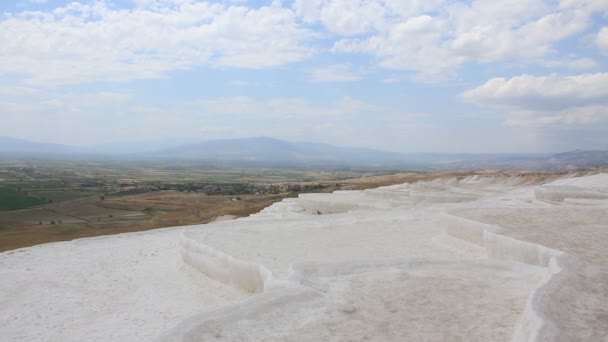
474	259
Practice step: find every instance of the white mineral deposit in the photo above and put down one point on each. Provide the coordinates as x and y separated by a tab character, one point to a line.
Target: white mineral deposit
479	258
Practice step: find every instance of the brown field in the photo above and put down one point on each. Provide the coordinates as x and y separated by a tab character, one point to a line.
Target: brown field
120	215
48	201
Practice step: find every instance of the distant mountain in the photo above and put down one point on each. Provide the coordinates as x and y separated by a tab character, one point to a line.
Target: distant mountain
138	147
14	146
578	158
269	150
275	152
559	161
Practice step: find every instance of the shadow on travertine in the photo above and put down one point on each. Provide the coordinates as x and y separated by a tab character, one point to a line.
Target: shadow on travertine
474	259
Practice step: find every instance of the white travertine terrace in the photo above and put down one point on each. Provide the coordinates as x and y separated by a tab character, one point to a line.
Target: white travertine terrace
482	258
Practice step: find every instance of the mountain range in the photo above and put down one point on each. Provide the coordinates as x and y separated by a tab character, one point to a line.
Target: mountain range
269	151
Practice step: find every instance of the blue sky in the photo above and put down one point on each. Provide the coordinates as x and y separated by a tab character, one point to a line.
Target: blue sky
411	76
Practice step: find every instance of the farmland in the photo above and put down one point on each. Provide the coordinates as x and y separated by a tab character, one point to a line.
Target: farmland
47	201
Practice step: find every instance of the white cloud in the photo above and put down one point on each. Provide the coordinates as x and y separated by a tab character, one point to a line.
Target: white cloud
283	108
434	40
240	83
413	8
571	116
414	44
551	91
97	41
570	63
246	83
335	73
546	100
602	39
392	80
16	91
345	17
91	42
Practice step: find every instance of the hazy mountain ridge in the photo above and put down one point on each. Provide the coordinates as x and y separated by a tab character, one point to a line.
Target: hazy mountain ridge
10	145
580	158
263	150
558	161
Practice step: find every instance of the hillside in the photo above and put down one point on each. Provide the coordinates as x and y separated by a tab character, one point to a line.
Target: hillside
17	147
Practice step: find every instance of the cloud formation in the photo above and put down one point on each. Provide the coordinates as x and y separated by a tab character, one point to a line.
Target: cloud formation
326	70
602	39
335	73
435	38
98	41
546	100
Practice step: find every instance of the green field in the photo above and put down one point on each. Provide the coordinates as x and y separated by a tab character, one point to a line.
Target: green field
64	195
11	199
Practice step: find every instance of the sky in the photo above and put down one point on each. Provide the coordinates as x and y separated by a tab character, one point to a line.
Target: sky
475	76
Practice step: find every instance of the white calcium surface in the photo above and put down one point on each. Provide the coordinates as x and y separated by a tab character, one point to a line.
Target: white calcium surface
474	259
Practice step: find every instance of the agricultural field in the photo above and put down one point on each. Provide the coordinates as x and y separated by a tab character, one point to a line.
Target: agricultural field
11	199
47	201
